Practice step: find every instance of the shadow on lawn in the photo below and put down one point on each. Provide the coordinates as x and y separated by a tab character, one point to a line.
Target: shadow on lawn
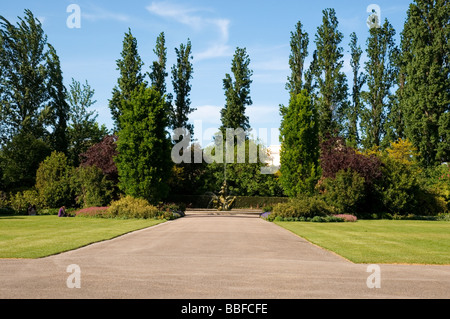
12	217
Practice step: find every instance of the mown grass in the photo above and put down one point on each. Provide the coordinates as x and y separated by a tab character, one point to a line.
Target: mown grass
40	236
380	241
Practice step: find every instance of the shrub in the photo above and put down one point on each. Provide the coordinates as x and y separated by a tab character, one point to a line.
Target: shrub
303	207
336	156
346	191
53	181
91	186
92	212
130	207
399	189
346	217
20	201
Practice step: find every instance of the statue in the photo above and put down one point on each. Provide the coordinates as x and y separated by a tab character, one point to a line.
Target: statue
223	202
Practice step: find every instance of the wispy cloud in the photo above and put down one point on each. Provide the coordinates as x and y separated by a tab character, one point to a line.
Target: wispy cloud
195	19
95	13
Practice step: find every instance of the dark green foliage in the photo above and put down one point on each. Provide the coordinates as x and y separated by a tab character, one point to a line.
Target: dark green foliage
299	51
91	187
237	92
399	189
425	98
354	111
143	161
25	105
299	146
181	77
130	78
302	207
158	72
346	192
244	179
19	159
326	72
59	107
381	75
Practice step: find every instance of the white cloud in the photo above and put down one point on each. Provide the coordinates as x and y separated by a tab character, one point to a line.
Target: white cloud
208	114
98	13
192	18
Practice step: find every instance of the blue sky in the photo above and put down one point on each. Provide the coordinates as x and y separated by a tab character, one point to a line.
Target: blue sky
215	29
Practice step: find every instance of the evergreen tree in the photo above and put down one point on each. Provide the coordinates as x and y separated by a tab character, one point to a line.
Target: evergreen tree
299	51
83	130
181	77
299	155
327	73
144	154
381	75
354	112
237	92
60	107
425	99
130	77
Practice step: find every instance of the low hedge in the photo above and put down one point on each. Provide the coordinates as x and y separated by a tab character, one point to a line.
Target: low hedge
129	207
202	201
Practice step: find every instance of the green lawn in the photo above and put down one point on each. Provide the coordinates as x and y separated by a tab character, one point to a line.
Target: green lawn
380	241
39	236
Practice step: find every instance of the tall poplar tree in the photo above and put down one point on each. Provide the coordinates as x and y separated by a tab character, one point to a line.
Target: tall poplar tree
299	155
158	72
328	76
359	78
181	77
425	98
381	75
299	52
237	92
130	77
